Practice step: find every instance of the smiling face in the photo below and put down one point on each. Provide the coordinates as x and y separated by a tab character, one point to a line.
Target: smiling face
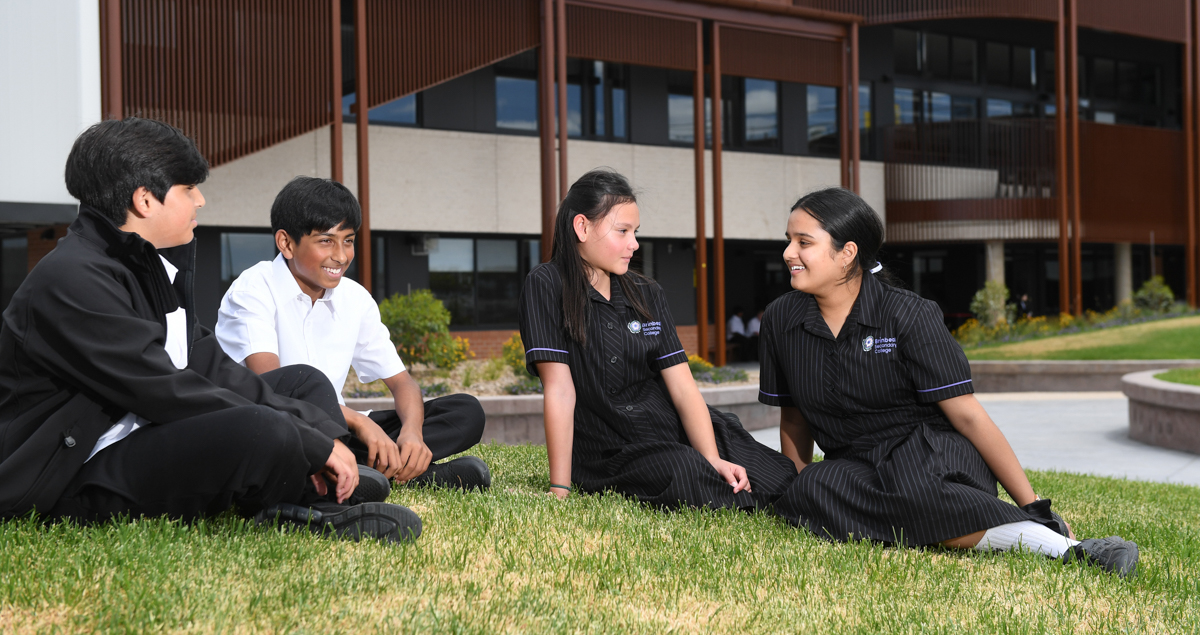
319	260
815	266
608	243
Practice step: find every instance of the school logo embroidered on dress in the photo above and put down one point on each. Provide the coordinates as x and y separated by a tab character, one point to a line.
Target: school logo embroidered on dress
635	327
868	343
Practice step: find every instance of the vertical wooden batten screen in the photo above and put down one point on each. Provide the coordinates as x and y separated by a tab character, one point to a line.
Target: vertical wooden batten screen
889	11
237	76
646	40
416	44
777	56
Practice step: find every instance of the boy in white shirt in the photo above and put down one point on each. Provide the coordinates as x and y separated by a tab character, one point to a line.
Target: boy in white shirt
298	309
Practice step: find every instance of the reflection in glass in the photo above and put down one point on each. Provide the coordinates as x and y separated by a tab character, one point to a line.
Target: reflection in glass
679	119
240	251
937	107
499	282
964	108
999	108
618	112
452	277
822	120
516	104
762	113
905	105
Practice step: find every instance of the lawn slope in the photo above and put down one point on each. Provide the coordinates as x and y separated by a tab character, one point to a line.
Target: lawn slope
1177	338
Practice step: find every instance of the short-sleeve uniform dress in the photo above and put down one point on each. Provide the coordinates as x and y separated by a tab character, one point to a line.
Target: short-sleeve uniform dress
895	469
628	435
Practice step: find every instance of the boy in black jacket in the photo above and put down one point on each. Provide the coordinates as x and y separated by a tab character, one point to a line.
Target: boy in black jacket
114	401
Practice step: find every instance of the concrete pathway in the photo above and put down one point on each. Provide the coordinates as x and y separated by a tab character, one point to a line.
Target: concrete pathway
1082	432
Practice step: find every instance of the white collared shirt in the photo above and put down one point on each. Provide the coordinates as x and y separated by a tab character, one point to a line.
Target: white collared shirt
266	311
177	347
735	326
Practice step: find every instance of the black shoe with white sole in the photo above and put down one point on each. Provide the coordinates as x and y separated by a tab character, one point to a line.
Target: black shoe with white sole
382	521
1113	554
465	472
373	487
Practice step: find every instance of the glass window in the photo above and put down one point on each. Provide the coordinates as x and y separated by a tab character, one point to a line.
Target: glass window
1105	117
822	120
937	107
398	112
1149	79
618	112
533	253
999	71
680	109
574	112
937	55
516	103
499	282
864	106
240	251
14	264
999	108
762	113
964	108
1024	67
1049	68
1127	81
452	277
1104	78
962	55
905	105
907	46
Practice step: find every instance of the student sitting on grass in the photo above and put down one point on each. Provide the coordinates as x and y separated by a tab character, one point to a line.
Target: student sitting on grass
114	401
870	373
622	411
299	309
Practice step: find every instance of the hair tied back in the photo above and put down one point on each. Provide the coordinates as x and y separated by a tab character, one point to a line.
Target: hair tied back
877	268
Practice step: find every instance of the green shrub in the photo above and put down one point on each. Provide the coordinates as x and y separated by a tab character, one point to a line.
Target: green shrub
698	364
492	369
419	325
1154	296
513	354
990	304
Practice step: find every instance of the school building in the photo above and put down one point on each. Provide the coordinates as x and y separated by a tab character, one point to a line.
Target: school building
1049	144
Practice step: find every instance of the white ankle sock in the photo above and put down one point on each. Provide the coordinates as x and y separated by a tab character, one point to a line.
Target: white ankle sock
1028	535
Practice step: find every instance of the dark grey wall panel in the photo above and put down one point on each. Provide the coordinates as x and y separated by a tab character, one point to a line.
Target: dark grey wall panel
793	117
466	103
648	105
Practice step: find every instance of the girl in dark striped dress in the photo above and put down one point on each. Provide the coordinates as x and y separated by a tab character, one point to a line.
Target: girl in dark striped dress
870	373
622	411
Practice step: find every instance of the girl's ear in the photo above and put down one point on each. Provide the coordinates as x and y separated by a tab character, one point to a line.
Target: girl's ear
283	241
850	252
581	225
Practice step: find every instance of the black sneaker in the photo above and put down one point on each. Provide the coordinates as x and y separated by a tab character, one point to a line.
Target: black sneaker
465	472
373	487
1040	510
1113	554
381	521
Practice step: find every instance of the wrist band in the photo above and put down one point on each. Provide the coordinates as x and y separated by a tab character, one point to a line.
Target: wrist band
561	487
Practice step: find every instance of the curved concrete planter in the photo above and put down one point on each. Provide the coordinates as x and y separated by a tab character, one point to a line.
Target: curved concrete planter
1163	413
1063	376
518	418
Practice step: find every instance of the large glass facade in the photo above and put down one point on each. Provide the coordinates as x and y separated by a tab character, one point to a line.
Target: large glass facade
242	250
479	279
761	107
822	120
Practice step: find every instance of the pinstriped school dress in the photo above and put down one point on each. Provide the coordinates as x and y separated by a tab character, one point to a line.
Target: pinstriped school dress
895	469
628	435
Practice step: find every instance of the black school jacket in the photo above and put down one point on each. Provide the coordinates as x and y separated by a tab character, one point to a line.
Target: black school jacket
82	343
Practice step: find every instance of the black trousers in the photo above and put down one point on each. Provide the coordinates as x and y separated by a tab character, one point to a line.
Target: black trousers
249	456
453	424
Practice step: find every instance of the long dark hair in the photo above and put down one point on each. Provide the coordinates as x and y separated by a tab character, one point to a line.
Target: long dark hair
848	218
594	195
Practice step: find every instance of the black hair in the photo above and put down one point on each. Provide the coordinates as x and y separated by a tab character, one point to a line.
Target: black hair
112	159
848	218
307	203
594	195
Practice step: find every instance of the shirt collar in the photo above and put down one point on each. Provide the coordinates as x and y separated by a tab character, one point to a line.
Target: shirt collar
285	281
171	269
616	297
865	311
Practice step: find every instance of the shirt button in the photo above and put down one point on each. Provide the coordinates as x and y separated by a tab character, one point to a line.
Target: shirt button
69	442
610	325
613	359
628	408
612	391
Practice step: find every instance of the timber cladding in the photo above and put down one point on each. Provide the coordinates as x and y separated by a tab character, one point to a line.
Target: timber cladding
237	76
788	58
1131	182
415	44
647	40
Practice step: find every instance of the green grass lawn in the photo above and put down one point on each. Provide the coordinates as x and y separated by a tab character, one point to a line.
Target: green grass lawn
1177	338
513	560
1181	376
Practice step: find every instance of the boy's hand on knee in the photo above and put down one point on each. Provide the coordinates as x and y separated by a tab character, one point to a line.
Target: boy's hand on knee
382	453
414	455
342	468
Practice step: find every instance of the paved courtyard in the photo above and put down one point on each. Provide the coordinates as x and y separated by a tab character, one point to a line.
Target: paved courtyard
1084	432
